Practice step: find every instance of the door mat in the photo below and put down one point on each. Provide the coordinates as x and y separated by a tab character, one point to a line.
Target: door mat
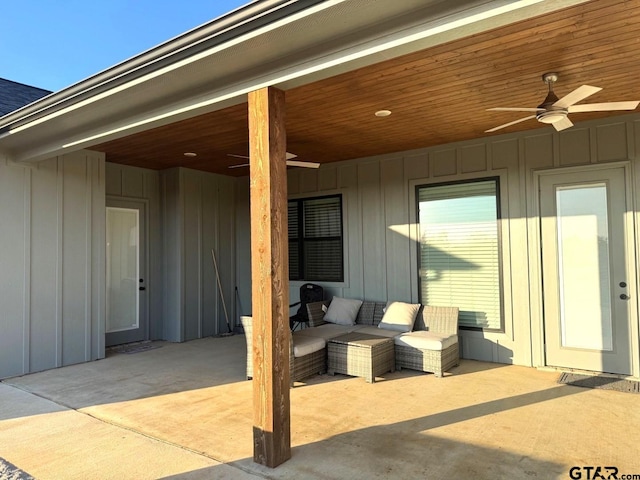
600	381
135	347
9	471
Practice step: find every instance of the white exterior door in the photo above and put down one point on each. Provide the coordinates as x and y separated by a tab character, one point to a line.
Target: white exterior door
126	287
587	275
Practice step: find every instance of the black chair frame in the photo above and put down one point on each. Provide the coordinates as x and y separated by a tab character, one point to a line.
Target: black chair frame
309	293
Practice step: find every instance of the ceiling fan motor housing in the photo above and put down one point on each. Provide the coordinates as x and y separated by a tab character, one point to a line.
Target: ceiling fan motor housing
550	114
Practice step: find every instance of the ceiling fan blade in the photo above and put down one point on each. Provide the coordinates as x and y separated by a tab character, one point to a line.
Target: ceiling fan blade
510	123
288	155
296	163
603	107
578	94
562	124
290	163
514	109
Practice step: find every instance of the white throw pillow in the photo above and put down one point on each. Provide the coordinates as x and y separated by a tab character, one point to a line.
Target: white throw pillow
399	316
343	311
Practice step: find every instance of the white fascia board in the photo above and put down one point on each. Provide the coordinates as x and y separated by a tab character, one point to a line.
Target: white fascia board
128	127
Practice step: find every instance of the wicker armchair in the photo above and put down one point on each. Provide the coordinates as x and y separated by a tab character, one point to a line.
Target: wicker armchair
434	349
311	359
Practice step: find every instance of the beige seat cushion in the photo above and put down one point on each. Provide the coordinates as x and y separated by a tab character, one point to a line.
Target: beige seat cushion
305	345
425	340
326	331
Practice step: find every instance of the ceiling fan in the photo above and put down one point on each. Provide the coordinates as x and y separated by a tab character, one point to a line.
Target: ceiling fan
290	161
556	112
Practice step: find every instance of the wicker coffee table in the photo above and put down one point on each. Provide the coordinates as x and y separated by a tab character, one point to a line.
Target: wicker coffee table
360	355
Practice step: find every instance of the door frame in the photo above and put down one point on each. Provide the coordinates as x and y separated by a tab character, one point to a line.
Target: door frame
535	256
132	202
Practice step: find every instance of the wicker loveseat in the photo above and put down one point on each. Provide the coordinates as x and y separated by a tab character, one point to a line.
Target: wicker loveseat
432	346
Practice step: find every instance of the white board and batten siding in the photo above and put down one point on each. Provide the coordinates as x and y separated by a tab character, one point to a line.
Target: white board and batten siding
379	218
189	212
143	186
198	216
379	226
52	242
52	251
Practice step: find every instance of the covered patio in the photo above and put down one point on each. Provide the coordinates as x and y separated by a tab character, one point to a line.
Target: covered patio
160	134
184	411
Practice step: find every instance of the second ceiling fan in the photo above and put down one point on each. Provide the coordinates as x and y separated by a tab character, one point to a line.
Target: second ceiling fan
290	161
556	111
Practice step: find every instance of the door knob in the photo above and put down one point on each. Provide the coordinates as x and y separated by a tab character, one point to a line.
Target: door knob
624	296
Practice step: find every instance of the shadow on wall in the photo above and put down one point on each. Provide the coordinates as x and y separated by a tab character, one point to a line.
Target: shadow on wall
477	347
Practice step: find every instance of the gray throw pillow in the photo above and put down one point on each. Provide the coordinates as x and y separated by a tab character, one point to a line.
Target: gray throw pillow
343	311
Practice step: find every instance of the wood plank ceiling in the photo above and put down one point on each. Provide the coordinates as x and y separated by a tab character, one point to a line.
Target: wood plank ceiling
437	96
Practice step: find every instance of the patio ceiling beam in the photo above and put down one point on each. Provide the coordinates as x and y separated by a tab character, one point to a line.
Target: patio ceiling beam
269	277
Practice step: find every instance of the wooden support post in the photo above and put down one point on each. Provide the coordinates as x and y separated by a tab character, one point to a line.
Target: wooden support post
269	277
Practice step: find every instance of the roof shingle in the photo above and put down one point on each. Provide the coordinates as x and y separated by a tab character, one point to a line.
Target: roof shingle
14	95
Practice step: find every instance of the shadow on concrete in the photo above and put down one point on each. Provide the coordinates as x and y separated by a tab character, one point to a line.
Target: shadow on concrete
408	450
470	367
174	368
418	447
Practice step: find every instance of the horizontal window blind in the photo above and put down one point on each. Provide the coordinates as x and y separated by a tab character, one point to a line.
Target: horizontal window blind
459	251
294	242
293	220
322	217
315	239
294	264
323	260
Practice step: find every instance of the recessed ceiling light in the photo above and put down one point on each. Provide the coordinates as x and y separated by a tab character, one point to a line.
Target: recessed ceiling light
190	154
383	113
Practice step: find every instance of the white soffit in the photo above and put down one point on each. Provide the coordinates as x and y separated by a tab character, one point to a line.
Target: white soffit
330	38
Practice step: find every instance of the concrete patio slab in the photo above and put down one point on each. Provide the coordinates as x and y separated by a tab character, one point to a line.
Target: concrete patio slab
49	441
184	411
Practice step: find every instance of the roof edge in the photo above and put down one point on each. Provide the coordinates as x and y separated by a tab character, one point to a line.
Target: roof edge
218	31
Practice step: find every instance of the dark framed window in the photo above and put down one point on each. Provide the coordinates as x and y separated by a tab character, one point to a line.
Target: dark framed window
459	250
315	239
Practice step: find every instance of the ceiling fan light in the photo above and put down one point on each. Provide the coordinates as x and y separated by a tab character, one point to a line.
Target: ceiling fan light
551	117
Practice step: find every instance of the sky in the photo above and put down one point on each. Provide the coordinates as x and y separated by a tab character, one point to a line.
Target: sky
54	44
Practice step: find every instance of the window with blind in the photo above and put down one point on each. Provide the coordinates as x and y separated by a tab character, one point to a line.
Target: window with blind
459	252
315	239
